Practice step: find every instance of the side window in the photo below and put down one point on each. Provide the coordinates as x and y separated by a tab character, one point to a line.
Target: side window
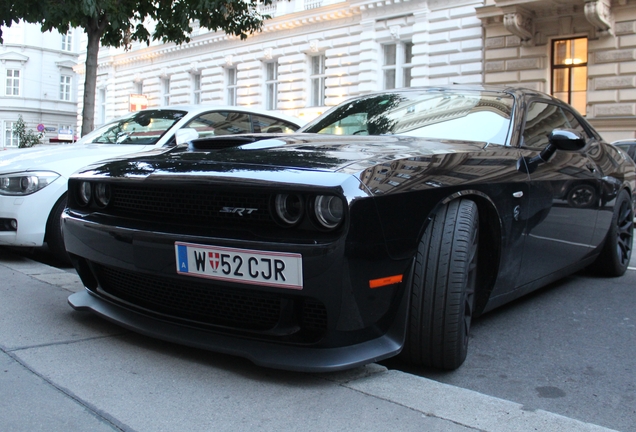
221	123
354	124
271	125
541	119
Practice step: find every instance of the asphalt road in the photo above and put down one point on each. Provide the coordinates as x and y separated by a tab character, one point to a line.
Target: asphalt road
569	348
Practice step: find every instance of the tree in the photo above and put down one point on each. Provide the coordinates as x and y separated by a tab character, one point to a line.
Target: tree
118	23
26	138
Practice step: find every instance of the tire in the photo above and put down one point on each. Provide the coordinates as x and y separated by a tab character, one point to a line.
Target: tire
54	236
443	288
617	248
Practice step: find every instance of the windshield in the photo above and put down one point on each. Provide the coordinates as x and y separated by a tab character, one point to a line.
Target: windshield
142	128
440	114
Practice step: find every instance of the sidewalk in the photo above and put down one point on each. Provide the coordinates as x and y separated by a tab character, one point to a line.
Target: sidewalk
62	370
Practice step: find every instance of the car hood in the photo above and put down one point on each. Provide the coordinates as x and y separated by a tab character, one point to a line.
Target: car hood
64	159
345	154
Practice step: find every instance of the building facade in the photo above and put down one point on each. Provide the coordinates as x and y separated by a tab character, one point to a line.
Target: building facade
38	81
313	54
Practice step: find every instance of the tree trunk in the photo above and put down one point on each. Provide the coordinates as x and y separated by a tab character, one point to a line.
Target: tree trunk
94	33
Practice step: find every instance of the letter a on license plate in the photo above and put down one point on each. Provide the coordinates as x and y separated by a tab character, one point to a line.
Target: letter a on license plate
274	269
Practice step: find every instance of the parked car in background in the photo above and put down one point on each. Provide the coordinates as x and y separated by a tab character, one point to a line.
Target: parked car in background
33	181
385	227
628	146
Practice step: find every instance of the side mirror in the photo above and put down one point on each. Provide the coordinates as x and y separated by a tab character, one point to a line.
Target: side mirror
566	139
186	135
559	139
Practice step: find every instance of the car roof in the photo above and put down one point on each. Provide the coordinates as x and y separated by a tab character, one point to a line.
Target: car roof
195	109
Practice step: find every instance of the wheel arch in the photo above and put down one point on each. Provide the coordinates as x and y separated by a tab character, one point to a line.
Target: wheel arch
51	214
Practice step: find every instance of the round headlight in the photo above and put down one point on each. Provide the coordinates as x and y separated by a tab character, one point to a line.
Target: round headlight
102	194
85	193
289	208
329	210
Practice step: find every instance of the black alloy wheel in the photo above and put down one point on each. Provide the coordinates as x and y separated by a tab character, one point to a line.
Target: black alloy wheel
617	250
443	288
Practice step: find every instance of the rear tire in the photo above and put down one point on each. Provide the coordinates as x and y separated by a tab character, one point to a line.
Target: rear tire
617	250
54	236
443	288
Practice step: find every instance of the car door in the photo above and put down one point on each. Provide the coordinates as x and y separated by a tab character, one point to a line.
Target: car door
564	195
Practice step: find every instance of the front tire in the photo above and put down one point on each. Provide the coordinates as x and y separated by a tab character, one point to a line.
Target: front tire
443	289
617	250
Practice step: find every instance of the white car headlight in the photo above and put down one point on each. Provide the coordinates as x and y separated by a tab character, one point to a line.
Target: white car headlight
25	183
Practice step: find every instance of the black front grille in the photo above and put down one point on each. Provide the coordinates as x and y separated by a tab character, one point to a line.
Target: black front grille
204	206
210	304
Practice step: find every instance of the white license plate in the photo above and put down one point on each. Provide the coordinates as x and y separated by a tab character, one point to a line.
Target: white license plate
275	269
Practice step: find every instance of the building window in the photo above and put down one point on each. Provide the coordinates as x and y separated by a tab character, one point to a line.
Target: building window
271	85
65	88
139	87
10	137
569	72
318	80
13	83
165	91
67	42
196	88
397	64
231	85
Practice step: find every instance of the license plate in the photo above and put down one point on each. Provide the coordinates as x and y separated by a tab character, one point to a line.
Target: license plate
256	267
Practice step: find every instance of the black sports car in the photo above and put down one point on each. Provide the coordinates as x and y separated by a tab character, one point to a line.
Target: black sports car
382	229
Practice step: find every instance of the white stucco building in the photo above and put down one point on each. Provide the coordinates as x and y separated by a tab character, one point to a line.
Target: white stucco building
38	81
313	54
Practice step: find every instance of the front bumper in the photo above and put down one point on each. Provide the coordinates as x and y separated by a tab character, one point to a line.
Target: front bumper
31	213
131	280
262	353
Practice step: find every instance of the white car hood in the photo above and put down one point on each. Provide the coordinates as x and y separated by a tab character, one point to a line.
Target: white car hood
64	159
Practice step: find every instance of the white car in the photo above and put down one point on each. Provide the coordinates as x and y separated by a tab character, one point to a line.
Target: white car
33	181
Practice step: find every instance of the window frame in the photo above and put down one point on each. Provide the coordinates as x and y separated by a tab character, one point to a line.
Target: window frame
196	88
569	69
165	91
9	135
17	88
271	85
231	95
401	67
317	80
66	87
67	41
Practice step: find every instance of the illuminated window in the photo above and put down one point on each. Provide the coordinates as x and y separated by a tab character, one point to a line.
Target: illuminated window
569	72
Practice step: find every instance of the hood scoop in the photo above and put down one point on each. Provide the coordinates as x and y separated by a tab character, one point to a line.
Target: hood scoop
219	143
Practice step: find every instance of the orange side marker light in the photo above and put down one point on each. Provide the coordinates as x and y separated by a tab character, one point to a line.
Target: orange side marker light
389	280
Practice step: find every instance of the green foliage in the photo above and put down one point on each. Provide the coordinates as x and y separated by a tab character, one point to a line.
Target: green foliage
26	138
117	23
